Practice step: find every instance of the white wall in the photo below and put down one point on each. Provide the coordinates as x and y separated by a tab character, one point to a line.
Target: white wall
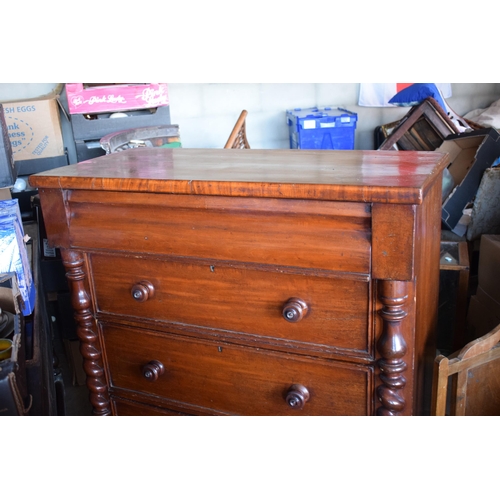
206	112
20	91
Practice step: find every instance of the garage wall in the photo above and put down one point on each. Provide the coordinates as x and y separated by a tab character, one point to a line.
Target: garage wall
206	112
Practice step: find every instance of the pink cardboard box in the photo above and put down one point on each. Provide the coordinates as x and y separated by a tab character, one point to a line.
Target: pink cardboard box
83	98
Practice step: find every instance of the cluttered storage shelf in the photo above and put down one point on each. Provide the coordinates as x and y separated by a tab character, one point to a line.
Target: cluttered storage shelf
271	282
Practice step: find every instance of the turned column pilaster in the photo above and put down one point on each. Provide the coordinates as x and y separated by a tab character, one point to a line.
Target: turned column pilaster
86	331
392	347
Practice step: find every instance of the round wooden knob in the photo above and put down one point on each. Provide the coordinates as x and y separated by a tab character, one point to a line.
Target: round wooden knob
143	291
294	310
153	370
297	396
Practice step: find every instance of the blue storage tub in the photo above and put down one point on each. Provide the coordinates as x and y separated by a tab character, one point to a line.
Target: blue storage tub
321	128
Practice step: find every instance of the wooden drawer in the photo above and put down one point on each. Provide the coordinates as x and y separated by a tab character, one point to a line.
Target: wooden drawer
125	408
232	379
252	301
311	234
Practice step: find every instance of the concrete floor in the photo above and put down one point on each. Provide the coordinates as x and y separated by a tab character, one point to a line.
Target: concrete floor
75	399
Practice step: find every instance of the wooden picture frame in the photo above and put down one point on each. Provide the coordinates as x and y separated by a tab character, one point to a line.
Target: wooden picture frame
422	129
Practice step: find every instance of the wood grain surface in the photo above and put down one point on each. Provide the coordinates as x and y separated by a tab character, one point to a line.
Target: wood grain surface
364	176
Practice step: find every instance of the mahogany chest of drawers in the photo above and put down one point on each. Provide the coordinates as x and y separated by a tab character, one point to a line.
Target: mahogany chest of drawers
252	282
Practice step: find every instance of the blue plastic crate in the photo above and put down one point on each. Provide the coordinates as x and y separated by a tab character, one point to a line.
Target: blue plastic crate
321	128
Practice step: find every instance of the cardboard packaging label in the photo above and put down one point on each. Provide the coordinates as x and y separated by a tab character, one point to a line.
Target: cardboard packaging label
112	98
34	128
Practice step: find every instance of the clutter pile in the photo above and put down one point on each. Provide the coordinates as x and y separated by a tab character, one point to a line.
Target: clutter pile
14	397
470	214
471	183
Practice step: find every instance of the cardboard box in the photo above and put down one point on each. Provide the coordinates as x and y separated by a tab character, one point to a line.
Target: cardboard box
34	128
10	296
488	273
5	194
484	307
470	154
13	253
113	97
488	301
485	212
8	170
480	318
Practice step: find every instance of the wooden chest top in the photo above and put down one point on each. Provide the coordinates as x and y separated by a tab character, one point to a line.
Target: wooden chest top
360	176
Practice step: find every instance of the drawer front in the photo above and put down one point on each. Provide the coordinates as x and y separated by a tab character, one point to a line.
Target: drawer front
124	408
232	379
334	311
311	234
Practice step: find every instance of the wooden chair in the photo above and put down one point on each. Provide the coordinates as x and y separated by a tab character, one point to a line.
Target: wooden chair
238	137
468	382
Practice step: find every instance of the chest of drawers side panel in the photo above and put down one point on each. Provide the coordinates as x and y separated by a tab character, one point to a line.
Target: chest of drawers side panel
427	254
56	221
406	263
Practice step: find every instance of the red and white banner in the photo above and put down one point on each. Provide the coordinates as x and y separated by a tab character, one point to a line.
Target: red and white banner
379	94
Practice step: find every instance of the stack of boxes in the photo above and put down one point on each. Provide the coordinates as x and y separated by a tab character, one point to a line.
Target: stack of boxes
96	110
15	134
14	397
17	298
34	133
470	154
13	253
30	141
